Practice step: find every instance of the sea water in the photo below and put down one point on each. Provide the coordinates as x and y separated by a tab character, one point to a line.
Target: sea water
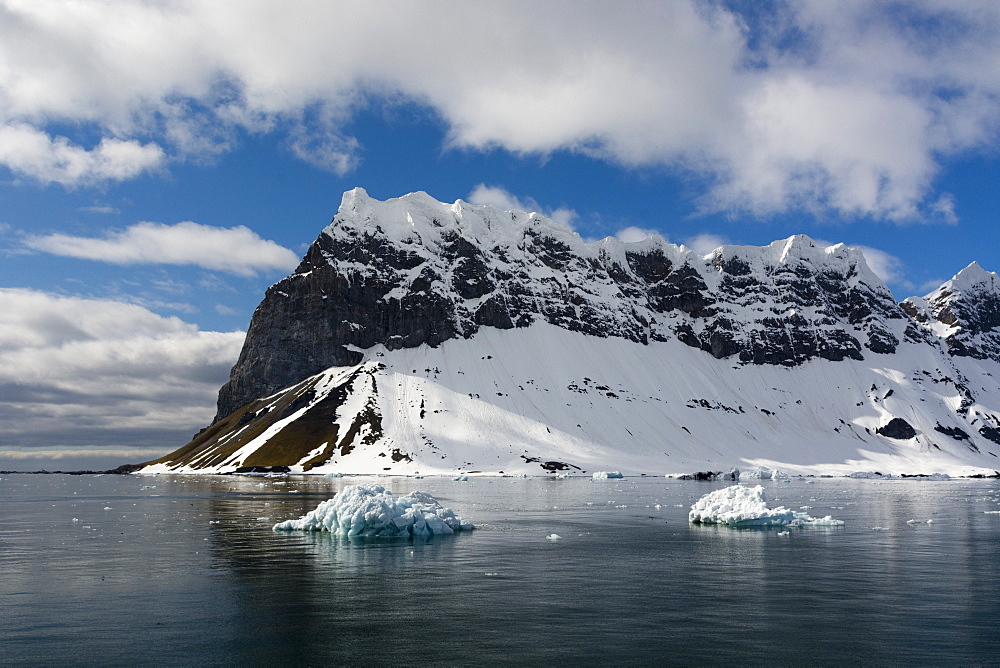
186	570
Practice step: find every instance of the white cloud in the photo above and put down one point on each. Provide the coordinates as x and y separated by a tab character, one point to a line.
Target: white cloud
94	372
31	152
102	209
887	267
237	250
943	208
222	309
847	107
504	200
122	455
705	243
632	234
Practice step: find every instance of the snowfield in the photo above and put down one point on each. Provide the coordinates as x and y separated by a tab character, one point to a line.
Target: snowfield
513	401
369	511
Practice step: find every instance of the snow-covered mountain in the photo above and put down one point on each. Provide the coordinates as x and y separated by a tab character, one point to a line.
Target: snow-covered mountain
423	337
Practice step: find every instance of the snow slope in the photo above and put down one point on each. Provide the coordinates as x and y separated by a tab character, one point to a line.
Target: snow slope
543	399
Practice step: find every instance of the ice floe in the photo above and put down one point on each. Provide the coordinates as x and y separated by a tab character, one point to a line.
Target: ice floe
602	475
759	473
742	506
368	510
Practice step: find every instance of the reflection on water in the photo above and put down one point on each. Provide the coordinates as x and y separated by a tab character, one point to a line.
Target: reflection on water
185	570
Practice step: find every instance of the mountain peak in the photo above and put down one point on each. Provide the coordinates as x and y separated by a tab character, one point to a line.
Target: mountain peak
409	317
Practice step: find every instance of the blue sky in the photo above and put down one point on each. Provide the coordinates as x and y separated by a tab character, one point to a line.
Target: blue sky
162	163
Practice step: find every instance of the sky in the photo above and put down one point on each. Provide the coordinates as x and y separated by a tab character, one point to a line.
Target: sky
163	162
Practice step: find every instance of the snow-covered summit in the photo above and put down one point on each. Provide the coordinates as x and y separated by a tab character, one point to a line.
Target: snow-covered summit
964	312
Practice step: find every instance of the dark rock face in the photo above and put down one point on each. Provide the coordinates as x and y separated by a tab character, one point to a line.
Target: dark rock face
897	428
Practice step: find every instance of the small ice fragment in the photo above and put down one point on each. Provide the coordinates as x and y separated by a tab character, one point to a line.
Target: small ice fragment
783	533
879	529
461	478
263	519
108	508
553	536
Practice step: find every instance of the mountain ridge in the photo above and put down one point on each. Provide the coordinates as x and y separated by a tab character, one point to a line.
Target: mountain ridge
413	278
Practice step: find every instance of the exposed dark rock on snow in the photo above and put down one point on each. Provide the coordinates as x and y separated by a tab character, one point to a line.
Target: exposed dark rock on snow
897	428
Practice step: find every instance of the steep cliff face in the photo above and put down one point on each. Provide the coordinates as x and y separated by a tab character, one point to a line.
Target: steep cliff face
422	337
414	271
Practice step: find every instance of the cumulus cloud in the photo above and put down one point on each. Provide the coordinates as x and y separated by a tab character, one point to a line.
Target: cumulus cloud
886	266
95	373
503	199
32	152
237	250
632	234
847	107
705	243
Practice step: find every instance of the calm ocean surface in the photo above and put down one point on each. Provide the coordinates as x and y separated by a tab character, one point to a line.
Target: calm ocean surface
127	570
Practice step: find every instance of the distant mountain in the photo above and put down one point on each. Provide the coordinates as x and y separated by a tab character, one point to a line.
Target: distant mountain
423	337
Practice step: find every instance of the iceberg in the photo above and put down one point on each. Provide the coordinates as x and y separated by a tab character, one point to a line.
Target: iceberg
368	510
601	475
740	506
759	473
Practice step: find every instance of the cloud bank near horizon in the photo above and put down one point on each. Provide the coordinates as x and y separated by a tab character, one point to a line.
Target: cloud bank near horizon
847	107
96	372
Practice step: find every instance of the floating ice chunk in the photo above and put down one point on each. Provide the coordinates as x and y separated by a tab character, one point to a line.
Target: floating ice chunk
369	510
741	506
602	475
553	536
461	478
760	473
